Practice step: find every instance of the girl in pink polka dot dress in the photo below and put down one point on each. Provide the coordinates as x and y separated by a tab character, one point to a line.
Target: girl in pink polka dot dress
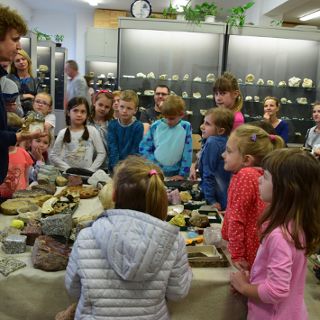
246	147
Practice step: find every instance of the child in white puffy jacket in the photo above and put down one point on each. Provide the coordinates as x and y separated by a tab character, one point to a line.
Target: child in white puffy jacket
129	261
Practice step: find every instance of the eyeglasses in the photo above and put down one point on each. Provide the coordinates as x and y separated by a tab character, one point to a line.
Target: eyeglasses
42	102
161	94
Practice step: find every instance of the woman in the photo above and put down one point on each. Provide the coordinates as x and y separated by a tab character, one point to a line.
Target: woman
21	74
271	106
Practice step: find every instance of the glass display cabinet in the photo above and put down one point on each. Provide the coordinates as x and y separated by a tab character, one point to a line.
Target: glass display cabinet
184	56
280	62
46	67
60	78
29	45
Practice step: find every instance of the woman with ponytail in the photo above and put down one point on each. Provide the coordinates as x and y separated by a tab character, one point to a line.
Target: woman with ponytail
76	145
130	261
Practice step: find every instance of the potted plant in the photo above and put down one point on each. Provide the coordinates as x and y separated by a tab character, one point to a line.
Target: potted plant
238	15
208	11
191	14
170	12
42	35
58	39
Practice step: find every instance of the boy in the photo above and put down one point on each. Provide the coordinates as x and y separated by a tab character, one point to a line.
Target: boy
124	133
216	128
168	143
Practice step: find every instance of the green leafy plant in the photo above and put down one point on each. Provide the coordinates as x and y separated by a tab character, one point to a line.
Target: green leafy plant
276	22
42	35
237	17
58	38
170	12
207	8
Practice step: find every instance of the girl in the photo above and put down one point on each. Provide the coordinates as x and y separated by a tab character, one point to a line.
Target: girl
246	147
76	145
116	102
101	114
227	95
312	140
290	231
39	154
130	260
43	104
271	106
21	74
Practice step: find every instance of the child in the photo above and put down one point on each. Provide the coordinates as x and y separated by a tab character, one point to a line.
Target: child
290	232
101	114
124	133
43	104
215	180
136	260
77	144
245	149
271	106
227	95
312	140
115	105
168	143
18	172
39	154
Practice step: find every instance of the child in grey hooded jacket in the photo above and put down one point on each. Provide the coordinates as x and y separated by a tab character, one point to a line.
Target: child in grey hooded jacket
129	261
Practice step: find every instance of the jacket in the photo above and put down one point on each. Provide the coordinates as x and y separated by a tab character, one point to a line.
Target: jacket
126	265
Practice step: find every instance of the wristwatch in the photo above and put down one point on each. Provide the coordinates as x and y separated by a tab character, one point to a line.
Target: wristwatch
141	9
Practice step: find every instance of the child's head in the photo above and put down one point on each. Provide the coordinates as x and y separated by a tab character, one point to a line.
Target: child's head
247	146
42	103
316	112
102	105
77	111
116	102
266	126
271	106
42	144
138	185
291	184
227	92
128	106
217	122
173	109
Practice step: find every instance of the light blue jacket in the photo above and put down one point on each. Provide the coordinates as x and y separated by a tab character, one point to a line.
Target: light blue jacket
126	265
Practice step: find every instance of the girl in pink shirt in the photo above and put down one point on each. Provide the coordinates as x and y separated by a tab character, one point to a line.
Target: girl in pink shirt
227	95
290	231
246	147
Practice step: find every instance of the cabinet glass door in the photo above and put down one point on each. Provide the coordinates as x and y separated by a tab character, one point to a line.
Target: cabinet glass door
60	78
182	56
277	62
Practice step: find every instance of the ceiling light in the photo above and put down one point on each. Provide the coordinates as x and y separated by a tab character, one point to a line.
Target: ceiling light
310	16
93	3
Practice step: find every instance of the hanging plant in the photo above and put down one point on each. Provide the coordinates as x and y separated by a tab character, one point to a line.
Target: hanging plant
237	17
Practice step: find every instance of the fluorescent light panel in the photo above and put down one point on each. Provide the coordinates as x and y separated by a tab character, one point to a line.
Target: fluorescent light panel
93	3
310	16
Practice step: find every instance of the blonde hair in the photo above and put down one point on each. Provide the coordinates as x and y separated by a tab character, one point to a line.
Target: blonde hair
222	118
45	94
130	96
116	93
173	106
254	141
138	185
24	54
295	204
228	83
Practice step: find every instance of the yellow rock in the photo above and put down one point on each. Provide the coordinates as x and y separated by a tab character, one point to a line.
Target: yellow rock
18	224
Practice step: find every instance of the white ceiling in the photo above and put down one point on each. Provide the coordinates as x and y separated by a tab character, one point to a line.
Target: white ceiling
291	10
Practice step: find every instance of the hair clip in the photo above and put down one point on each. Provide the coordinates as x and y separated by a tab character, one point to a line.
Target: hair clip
272	137
253	137
153	172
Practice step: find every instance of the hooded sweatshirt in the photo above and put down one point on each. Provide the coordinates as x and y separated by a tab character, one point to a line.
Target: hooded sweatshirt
125	265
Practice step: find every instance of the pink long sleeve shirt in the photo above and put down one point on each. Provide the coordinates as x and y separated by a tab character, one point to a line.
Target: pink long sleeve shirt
279	271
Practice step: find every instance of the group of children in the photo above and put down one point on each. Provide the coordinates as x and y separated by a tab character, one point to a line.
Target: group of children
270	219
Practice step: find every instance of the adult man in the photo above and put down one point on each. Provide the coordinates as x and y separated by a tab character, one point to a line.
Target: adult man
153	112
12	27
77	84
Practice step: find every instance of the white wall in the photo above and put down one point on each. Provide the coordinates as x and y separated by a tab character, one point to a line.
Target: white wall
22	8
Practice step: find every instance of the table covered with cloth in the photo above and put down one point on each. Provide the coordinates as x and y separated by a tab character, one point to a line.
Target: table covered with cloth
33	294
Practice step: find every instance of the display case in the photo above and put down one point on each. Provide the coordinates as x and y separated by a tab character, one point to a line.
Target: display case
60	78
280	62
29	45
46	67
186	57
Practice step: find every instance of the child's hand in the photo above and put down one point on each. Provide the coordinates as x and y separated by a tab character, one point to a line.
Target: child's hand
176	178
37	154
241	265
239	280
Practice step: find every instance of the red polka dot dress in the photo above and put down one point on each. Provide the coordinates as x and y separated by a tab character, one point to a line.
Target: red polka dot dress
243	209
